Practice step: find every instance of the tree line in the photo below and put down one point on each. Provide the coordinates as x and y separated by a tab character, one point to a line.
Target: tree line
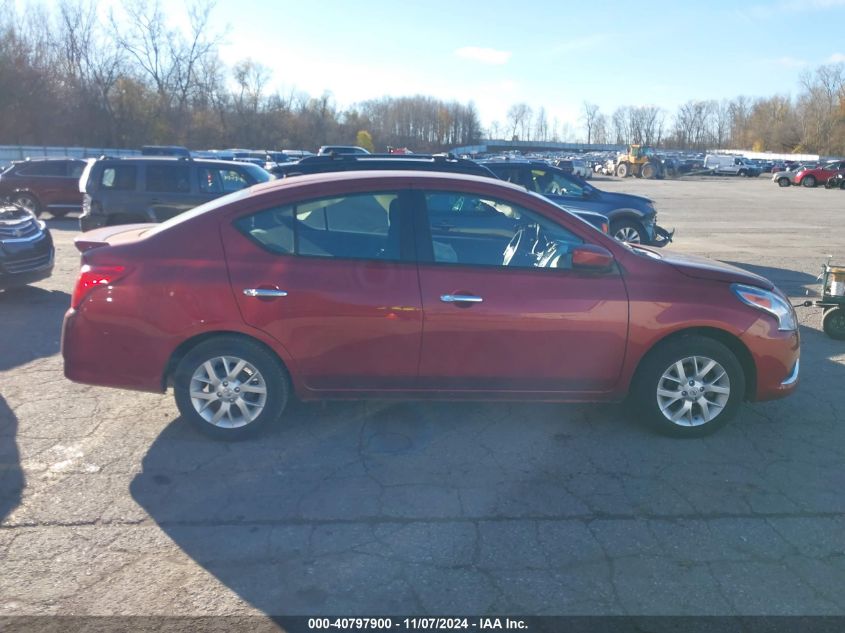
812	122
70	76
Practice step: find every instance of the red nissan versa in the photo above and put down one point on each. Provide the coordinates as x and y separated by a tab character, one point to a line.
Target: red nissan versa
416	285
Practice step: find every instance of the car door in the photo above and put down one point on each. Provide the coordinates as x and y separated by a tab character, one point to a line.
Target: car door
168	190
334	281
526	322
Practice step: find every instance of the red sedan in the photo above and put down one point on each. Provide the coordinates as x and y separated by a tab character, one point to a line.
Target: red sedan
812	176
416	285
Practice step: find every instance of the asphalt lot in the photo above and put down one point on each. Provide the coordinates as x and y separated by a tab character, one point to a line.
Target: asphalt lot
111	505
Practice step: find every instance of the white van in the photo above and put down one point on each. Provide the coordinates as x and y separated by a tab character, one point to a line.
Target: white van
733	165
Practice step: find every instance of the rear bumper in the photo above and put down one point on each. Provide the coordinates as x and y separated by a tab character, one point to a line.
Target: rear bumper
95	352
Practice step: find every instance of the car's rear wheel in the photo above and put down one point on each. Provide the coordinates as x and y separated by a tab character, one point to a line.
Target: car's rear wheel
689	386
28	202
628	231
783	181
809	181
230	388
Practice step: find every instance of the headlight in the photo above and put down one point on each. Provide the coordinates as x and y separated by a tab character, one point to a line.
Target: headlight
767	301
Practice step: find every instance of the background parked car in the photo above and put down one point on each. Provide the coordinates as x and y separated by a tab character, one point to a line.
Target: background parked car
409	162
126	190
632	218
731	165
47	184
341	149
26	248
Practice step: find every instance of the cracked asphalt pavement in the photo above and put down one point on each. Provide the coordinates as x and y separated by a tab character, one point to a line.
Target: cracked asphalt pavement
110	505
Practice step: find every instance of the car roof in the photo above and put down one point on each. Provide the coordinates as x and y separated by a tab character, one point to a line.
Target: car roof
180	160
400	176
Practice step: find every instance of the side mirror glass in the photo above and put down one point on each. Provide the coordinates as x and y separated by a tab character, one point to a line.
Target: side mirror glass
591	257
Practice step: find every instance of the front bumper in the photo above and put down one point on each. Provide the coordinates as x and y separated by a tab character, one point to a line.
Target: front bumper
662	237
24	262
776	357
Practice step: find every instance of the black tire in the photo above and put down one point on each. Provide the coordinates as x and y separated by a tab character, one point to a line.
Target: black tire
648	171
833	323
842	184
783	181
742	172
622	170
809	181
622	231
27	201
269	370
661	360
59	213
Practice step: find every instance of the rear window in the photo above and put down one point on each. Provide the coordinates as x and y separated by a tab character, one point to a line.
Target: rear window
119	178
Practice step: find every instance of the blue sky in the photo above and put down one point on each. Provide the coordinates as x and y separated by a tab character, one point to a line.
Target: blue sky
552	54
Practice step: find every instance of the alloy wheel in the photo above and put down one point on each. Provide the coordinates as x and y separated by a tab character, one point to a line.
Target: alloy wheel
228	392
693	391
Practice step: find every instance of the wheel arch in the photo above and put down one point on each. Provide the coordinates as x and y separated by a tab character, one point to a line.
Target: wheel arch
732	342
188	344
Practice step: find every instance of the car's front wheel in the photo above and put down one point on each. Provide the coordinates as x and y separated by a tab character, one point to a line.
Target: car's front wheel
628	231
783	181
230	388
809	181
689	386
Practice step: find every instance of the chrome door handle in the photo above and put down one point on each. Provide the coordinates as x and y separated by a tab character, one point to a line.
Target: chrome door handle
265	292
460	299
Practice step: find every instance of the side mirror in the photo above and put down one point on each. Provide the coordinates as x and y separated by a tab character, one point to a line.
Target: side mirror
590	257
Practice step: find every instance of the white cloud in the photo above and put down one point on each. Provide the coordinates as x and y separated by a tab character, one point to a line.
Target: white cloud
484	55
836	58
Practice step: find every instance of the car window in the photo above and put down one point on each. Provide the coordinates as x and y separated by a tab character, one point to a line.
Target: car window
119	178
218	180
44	168
476	230
549	182
357	226
168	178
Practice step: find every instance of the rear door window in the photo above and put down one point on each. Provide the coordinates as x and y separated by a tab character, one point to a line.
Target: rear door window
168	178
119	178
355	226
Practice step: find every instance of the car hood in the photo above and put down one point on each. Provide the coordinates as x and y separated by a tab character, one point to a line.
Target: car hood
704	268
624	199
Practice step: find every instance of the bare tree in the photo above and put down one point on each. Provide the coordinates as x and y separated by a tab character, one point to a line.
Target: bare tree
590	115
517	115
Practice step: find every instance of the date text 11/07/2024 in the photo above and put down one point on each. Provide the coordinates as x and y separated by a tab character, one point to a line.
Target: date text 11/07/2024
417	624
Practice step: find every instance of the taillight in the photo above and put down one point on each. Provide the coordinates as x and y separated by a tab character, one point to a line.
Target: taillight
605	228
92	277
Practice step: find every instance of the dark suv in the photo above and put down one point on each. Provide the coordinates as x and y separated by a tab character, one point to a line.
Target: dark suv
410	162
632	218
127	190
45	184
